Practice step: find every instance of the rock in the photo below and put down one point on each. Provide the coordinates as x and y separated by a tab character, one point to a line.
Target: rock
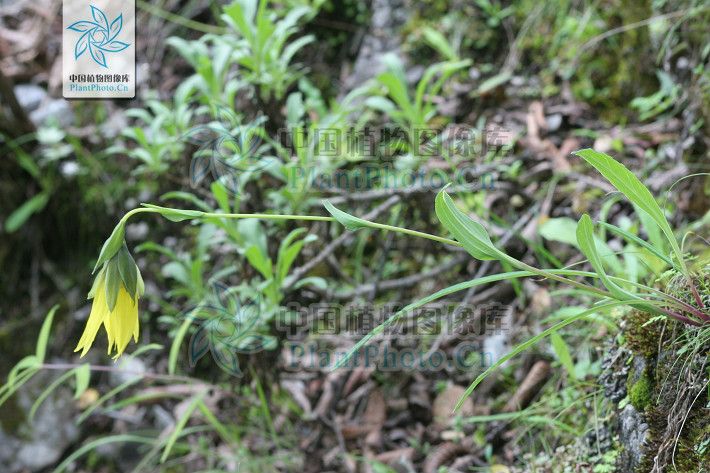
34	445
632	435
29	96
554	122
58	109
40	107
131	368
615	373
388	17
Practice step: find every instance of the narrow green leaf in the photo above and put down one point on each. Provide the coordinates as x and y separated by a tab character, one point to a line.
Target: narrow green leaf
562	352
585	239
112	245
220	194
634	190
347	220
18	217
91	446
188	197
439	42
180	425
631	237
532	341
493	82
176	344
28	363
257	260
432	297
41	349
175	215
471	234
82	375
44	394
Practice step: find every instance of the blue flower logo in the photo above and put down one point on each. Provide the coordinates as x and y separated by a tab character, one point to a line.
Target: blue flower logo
226	149
98	36
226	328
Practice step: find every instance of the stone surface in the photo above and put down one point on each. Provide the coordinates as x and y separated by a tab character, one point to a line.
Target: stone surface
34	445
632	434
388	16
130	369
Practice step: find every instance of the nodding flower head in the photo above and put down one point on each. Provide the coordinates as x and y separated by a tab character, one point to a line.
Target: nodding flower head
116	291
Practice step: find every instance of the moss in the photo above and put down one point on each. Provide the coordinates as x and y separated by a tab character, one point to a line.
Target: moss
640	393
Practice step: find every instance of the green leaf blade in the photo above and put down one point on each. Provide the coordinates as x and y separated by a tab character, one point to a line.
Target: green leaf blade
629	185
347	220
471	234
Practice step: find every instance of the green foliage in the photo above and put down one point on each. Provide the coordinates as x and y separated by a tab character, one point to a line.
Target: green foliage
475	239
157	138
412	111
260	44
641	392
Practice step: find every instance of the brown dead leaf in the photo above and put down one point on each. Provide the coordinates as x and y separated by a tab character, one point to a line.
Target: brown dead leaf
445	403
393	455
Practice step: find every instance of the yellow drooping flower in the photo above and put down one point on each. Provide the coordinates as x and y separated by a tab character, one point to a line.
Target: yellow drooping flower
116	291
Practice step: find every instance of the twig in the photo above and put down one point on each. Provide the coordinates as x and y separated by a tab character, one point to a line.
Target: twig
401	282
333	424
299	272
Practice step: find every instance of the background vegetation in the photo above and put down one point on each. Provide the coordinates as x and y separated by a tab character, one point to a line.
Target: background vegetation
508	89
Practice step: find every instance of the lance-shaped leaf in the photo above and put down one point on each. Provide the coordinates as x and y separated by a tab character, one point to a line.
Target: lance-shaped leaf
585	239
175	215
629	185
471	234
347	220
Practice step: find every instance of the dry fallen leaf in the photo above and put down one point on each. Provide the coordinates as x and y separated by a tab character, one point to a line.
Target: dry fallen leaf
445	403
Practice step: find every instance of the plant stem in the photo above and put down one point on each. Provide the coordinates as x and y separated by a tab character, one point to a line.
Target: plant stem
316	218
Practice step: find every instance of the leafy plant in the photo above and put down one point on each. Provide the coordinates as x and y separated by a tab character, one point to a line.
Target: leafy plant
260	45
412	111
312	140
158	136
212	59
618	291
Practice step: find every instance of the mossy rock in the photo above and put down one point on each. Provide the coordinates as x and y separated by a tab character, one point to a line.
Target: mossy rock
640	392
671	392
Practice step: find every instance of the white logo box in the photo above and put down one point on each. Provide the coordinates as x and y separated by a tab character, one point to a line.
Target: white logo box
99	49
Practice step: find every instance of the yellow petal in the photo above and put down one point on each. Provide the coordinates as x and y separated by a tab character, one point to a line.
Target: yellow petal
99	311
123	322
